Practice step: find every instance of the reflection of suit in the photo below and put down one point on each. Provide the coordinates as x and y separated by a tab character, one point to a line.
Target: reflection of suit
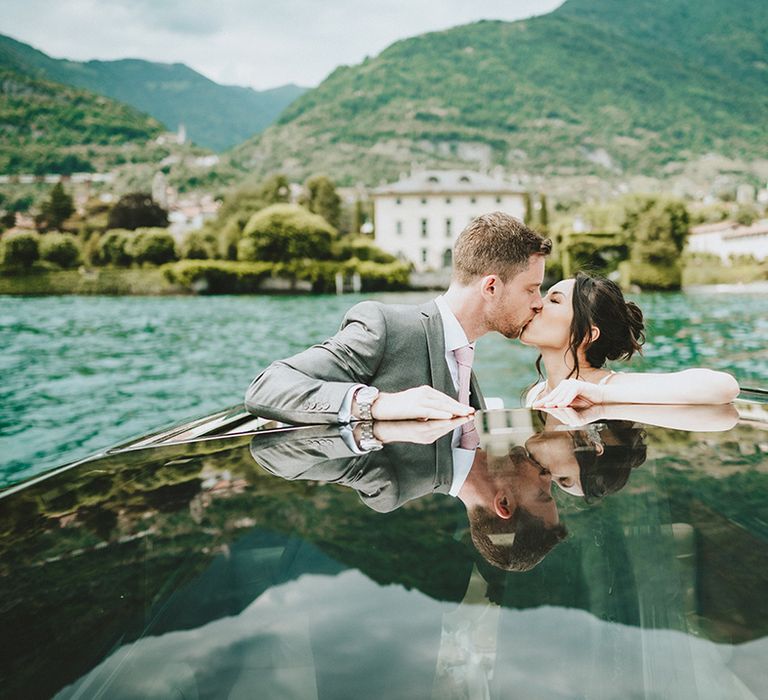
384	479
391	347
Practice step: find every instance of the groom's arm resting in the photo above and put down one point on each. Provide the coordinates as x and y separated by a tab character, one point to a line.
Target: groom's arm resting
311	387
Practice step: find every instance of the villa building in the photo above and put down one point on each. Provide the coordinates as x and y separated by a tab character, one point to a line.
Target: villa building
726	238
419	217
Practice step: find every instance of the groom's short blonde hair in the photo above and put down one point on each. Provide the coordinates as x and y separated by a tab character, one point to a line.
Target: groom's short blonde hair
496	244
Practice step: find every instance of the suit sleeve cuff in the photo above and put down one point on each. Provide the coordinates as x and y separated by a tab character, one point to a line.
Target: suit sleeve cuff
345	412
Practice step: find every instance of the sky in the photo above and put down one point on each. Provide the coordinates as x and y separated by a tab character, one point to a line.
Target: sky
256	43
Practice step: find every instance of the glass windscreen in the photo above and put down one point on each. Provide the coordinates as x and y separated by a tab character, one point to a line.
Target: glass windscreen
615	555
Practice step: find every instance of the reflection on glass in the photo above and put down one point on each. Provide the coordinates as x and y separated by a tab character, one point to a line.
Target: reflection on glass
192	570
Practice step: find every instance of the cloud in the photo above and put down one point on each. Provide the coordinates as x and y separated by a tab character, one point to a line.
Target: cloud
240	42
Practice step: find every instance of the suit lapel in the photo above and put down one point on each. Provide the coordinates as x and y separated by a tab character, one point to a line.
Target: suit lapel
476	399
433	329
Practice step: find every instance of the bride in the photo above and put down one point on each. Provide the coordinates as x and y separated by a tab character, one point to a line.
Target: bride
584	322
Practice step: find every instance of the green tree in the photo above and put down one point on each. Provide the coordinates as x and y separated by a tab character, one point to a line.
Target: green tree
656	231
61	249
56	209
20	249
747	214
528	208
200	245
284	233
7	220
543	214
275	189
320	197
114	248
358	218
137	210
154	246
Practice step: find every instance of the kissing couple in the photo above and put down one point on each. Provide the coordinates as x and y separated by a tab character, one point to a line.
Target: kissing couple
401	362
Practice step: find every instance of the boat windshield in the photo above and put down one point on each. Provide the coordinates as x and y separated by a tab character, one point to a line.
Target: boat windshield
622	555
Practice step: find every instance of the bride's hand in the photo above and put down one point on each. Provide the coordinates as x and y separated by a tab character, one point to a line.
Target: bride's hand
575	418
572	392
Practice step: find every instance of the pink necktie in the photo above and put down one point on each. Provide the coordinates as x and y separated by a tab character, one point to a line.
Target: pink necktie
464	357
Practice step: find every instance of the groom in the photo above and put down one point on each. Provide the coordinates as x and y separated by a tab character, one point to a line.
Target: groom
399	362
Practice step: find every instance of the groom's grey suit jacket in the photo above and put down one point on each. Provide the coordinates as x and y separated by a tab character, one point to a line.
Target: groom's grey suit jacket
384	479
391	347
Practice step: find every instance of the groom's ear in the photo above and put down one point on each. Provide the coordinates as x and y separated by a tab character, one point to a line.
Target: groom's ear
489	284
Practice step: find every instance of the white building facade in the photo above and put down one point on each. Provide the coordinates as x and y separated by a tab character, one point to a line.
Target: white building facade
728	238
419	217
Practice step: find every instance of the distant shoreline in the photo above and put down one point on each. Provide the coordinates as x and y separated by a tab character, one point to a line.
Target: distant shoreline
760	287
153	282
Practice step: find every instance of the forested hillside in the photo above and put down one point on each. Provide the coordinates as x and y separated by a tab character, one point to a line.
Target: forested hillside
598	87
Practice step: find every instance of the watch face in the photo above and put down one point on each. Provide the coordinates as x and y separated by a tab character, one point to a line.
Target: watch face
367	395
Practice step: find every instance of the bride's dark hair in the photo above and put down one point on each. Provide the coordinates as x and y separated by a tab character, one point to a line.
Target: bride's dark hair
599	302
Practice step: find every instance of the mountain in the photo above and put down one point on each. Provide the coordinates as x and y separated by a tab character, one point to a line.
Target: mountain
215	116
46	127
597	87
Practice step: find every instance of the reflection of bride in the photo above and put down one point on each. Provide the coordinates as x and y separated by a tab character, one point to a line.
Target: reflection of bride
586	321
592	461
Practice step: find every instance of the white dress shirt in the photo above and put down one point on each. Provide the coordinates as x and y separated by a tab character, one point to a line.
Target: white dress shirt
455	338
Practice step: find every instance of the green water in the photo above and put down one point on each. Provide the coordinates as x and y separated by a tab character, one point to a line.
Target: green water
82	373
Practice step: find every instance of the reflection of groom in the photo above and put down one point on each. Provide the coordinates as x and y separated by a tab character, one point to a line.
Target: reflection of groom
512	517
394	362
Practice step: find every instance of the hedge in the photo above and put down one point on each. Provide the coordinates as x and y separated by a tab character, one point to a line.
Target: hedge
652	277
114	248
229	277
152	245
218	276
20	248
61	249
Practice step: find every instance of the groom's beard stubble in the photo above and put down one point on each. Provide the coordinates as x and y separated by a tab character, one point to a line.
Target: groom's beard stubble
512	330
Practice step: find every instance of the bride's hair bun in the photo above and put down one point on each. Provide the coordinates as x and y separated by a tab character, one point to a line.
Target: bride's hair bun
598	302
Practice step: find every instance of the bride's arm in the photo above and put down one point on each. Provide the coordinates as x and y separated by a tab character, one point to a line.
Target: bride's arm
691	386
701	418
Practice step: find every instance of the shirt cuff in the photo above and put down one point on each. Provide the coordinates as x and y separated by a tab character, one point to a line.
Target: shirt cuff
345	412
345	430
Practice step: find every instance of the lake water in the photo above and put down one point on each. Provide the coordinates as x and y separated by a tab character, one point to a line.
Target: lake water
82	373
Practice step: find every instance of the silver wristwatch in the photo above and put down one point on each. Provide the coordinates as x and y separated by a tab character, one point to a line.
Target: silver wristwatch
368	441
365	398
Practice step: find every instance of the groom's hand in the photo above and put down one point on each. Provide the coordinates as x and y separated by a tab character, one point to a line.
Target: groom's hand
422	402
417	432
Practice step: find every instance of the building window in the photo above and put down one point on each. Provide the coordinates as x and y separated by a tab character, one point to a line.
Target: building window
423	228
424	255
448	228
447	257
399	228
423	200
398	201
473	200
447	200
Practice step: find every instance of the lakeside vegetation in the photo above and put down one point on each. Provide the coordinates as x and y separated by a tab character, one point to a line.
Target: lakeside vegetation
259	242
